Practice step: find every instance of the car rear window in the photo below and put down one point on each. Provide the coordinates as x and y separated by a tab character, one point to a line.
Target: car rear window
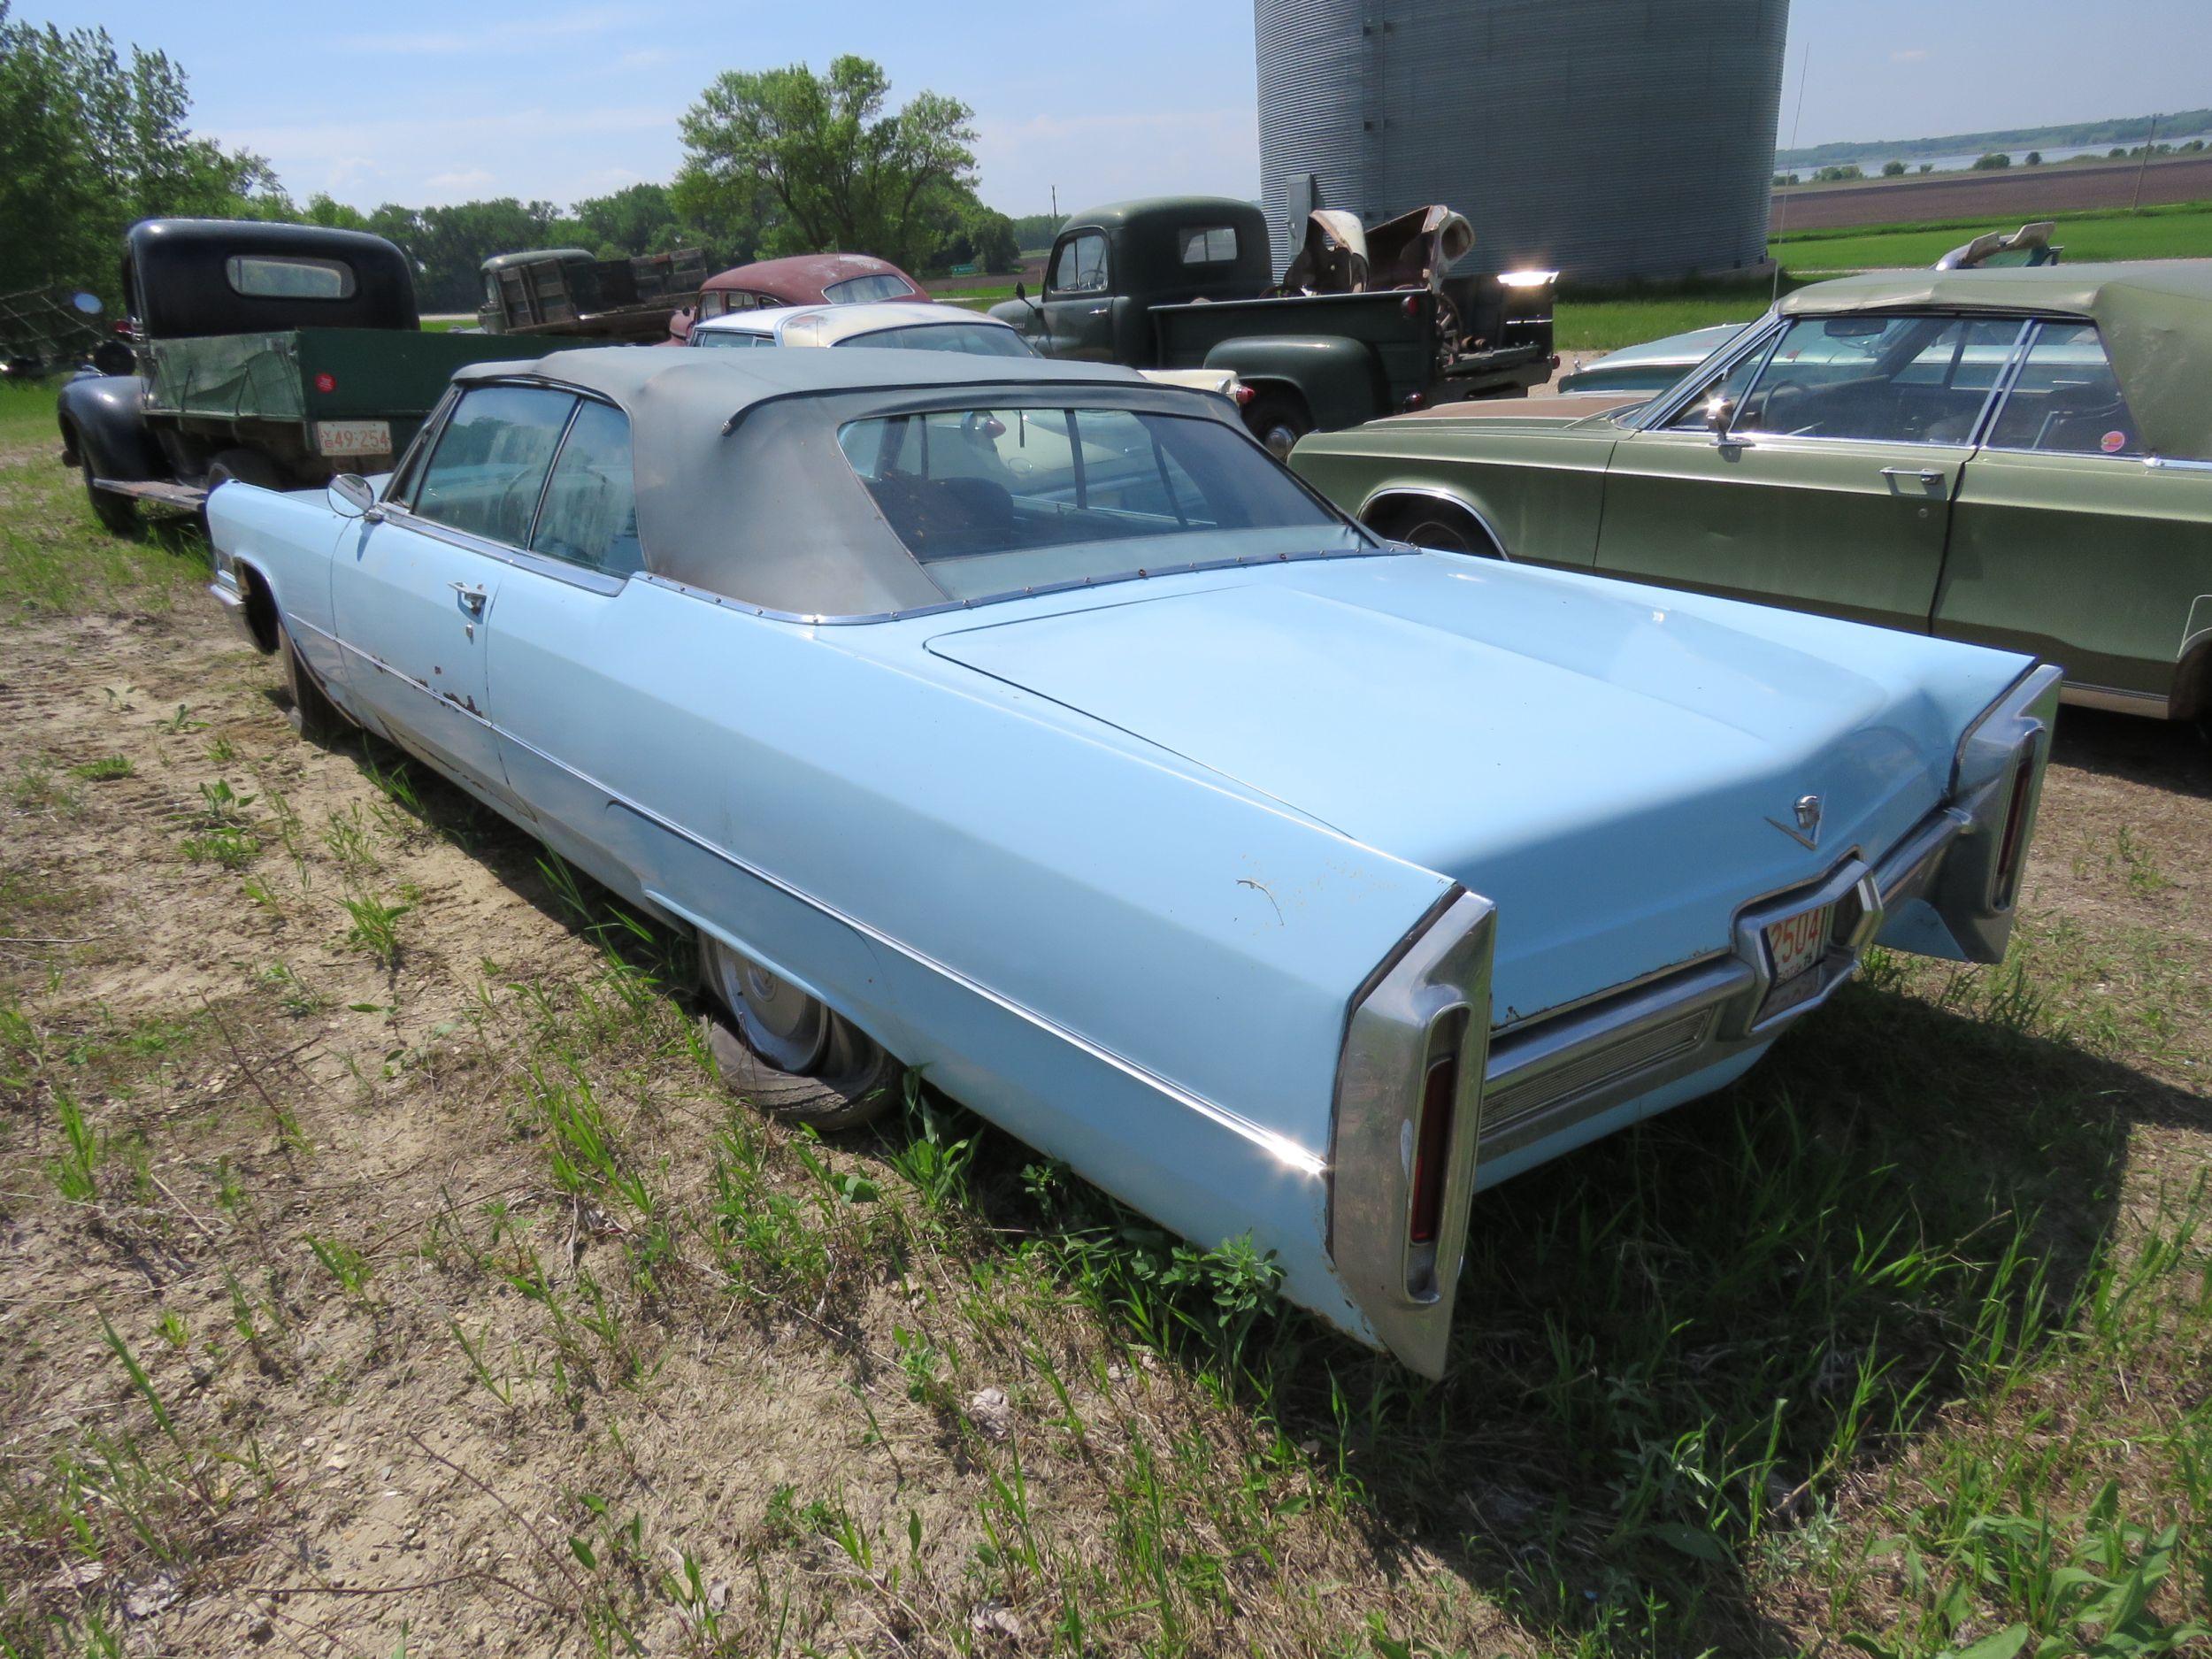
994	501
861	290
981	339
285	277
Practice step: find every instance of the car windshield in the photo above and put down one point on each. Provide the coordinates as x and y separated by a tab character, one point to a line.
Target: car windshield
993	502
983	340
860	290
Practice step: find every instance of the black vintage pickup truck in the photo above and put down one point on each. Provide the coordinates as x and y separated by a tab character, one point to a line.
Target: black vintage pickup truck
1366	322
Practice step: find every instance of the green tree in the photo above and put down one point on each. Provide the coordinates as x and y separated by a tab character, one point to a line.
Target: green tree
639	219
836	170
1035	231
1892	169
2035	158
1992	162
90	143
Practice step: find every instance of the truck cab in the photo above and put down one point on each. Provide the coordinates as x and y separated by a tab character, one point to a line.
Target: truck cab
1186	283
1109	266
275	354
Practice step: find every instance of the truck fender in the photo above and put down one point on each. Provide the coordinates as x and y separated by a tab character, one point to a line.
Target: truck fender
103	421
1340	380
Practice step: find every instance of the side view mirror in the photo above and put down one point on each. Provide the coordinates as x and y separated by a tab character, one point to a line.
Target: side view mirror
1021	290
350	496
1720	413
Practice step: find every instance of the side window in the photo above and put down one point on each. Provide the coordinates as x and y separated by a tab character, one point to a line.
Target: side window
408	473
2067	400
1878	379
1729	386
1080	267
590	512
490	463
711	303
1213	245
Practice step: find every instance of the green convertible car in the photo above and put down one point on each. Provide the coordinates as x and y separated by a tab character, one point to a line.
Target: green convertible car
2021	457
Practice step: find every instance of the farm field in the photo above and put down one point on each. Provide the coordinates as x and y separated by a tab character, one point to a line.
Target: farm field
2167	233
1608	319
385	1271
2019	192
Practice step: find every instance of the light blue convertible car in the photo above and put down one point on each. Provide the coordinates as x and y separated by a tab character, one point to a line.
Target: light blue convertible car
1026	724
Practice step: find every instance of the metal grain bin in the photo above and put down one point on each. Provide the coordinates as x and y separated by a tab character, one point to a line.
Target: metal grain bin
1606	139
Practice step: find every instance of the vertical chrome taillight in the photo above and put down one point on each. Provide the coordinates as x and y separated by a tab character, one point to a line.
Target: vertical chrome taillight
1409	1112
2012	845
1996	783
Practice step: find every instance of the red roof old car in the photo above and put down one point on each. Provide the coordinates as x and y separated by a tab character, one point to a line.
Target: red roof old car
802	279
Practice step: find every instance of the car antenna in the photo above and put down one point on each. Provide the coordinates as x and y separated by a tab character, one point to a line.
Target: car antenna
1797	122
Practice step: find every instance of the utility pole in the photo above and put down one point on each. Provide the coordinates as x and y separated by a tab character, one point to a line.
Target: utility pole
2136	206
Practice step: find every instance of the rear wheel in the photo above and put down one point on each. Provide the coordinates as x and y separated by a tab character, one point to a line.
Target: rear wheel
787	1052
244	466
1440	524
1278	419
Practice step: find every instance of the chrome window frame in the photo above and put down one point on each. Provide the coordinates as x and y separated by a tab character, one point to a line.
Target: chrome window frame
400	511
1659	410
2007	370
2037	325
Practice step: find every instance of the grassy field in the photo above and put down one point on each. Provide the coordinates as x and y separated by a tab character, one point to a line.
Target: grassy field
2166	233
386	1270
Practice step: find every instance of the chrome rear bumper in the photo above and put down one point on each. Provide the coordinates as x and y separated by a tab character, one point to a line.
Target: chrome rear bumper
1936	891
1541	1087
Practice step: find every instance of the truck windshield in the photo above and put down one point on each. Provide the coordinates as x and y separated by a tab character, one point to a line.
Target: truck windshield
993	502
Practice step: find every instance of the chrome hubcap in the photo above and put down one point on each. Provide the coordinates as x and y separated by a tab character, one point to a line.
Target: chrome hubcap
780	1023
1281	440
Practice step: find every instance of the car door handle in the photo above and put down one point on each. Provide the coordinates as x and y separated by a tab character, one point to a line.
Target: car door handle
472	598
1925	474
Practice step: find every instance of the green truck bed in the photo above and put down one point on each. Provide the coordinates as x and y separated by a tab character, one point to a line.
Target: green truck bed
373	373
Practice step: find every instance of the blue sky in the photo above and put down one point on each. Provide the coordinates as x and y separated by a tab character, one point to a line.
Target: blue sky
418	102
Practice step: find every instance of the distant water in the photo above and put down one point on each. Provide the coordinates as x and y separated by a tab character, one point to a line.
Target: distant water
1959	164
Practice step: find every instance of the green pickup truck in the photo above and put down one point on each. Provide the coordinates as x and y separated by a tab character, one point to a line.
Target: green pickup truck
1367	322
278	354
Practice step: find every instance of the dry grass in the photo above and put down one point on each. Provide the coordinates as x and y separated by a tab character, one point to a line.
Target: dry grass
383	1268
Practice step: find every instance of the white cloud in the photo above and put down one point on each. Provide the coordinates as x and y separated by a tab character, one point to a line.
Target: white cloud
1909	55
471	179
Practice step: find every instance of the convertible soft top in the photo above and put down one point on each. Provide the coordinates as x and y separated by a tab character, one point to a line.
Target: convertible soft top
2155	318
742	488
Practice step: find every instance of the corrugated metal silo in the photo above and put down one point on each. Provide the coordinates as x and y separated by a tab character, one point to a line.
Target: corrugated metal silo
1608	139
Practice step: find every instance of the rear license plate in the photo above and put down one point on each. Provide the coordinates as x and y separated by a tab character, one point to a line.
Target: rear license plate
354	437
1794	947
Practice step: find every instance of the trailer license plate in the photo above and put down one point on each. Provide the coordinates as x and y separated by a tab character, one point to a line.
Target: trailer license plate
354	437
1795	945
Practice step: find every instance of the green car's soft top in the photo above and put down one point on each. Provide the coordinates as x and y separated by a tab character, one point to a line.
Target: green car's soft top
2155	318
